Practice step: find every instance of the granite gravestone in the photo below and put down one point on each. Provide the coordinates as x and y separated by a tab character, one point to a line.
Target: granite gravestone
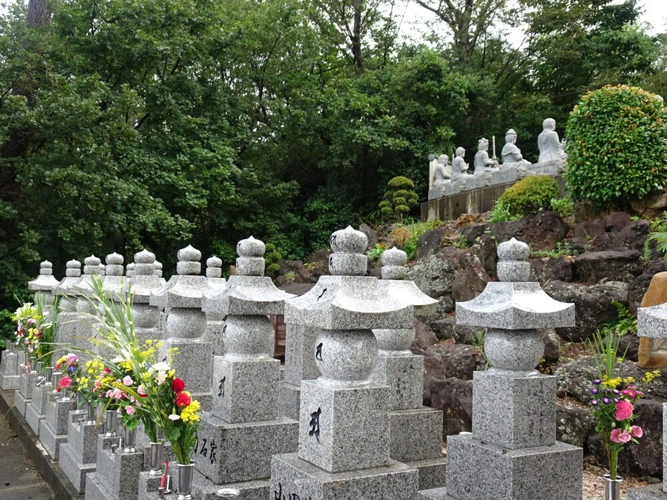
415	430
344	438
237	438
512	453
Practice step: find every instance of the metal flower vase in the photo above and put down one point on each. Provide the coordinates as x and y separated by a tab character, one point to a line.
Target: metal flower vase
91	413
156	453
185	476
612	487
129	440
110	423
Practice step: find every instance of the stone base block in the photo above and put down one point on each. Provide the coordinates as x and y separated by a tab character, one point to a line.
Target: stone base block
50	440
404	375
652	492
82	439
20	401
247	390
96	489
290	400
292	477
433	494
231	453
9	382
479	471
204	489
33	417
73	468
344	428
119	471
58	414
194	363
432	473
514	411
148	486
415	434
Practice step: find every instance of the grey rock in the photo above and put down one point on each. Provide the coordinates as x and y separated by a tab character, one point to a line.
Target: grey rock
434	275
370	234
473	231
634	235
429	243
617	221
424	336
446	328
629	344
470	282
574	425
593	306
589	228
624	265
577	245
636	291
551	269
551	346
541	230
486	251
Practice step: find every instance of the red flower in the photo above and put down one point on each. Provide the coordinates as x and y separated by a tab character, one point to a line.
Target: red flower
183	400
177	385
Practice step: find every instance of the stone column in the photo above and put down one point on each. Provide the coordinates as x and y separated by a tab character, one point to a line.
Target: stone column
344	437
144	282
512	452
45	283
68	317
415	430
53	428
214	319
300	365
185	324
651	325
85	329
237	438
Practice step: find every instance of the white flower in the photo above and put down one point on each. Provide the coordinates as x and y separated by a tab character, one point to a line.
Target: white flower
161	376
160	367
174	417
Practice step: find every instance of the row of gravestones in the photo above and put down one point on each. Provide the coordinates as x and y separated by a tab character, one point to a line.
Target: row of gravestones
346	422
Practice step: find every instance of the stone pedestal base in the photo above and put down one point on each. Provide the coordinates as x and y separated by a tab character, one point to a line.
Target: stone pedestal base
479	471
50	440
33	417
404	374
194	364
20	401
148	486
231	453
117	475
73	468
652	492
78	455
432	472
292	477
204	489
9	382
434	494
290	400
415	434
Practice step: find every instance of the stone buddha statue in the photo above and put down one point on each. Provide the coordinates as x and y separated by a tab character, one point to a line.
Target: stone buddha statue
459	165
548	142
511	154
440	175
482	161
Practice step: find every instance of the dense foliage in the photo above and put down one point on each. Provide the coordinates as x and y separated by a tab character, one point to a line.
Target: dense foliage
531	194
158	123
617	146
398	199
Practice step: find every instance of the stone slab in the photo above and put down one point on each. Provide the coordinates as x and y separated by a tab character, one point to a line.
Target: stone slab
300	354
230	453
433	494
33	417
344	428
193	363
481	471
514	411
50	440
58	414
290	400
74	470
204	489
246	389
20	401
82	439
651	492
404	375
118	472
415	434
292	477
432	472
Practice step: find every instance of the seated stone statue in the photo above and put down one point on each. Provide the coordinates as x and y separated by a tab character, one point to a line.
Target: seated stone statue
511	154
459	165
548	142
482	161
440	175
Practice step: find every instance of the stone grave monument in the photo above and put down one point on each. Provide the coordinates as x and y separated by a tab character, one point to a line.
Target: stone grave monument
42	393
344	437
85	327
300	365
68	318
29	375
214	319
237	438
185	324
512	453
652	324
45	283
10	377
415	430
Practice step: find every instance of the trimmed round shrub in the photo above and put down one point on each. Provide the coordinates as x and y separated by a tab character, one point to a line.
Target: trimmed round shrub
531	194
398	199
616	146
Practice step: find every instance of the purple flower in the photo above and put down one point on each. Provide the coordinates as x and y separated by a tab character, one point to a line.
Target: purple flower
597	381
615	400
617	392
594	402
594	390
606	400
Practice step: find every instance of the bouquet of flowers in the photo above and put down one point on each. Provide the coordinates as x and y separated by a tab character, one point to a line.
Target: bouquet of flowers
36	327
613	399
69	365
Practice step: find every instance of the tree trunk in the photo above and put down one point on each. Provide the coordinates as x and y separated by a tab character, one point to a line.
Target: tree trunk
39	14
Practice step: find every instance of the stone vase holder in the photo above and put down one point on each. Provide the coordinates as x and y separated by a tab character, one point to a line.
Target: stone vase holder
156	454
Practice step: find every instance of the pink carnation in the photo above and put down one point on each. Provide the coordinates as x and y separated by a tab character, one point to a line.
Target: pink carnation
620	436
623	410
65	382
127	381
636	431
129	410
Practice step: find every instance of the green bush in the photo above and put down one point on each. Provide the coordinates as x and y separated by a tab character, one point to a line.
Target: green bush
616	146
398	199
531	194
